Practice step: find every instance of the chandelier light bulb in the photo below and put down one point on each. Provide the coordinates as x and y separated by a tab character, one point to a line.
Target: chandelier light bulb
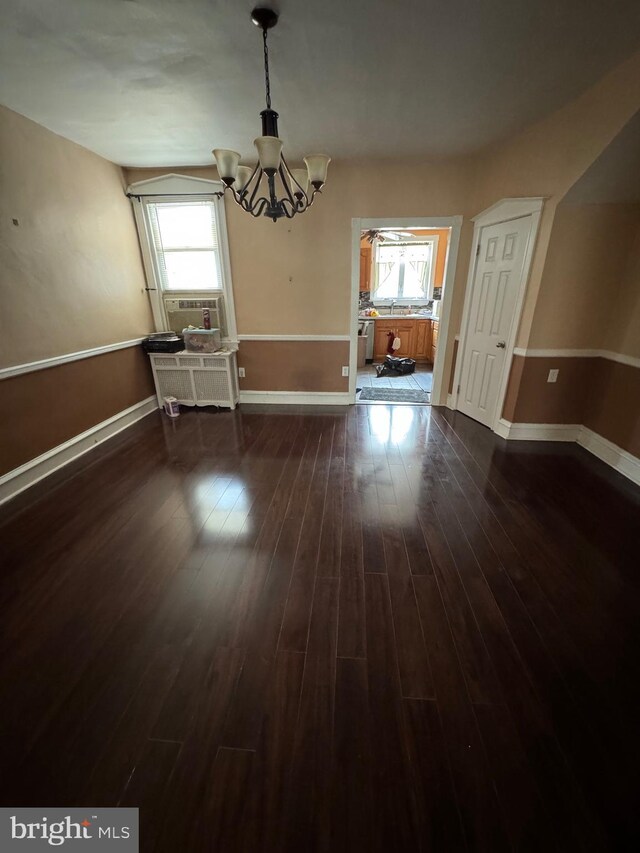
227	163
317	165
269	151
242	178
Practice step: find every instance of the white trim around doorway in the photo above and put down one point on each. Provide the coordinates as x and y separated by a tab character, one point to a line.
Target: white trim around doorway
438	392
502	211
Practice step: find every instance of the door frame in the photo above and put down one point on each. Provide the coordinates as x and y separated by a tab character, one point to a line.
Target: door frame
438	391
503	211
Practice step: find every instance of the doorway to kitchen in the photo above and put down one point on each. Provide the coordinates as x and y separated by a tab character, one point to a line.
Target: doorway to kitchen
402	282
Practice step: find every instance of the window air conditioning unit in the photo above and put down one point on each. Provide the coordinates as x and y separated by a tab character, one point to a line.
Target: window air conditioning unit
188	312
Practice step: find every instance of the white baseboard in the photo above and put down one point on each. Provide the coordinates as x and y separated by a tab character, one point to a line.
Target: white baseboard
451	403
608	452
16	481
288	398
537	432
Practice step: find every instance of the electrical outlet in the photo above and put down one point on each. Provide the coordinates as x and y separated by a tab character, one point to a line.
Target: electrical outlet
553	376
241	372
345	371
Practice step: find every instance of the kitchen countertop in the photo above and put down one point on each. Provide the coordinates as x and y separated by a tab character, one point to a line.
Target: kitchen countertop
401	317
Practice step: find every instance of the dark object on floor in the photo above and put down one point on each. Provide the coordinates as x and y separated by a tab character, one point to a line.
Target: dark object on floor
394	366
358	390
163	342
395	395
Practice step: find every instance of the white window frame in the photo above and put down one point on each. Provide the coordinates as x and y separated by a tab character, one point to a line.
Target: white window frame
177	188
414	300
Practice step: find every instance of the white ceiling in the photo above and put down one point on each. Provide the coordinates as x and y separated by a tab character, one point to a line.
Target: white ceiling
161	82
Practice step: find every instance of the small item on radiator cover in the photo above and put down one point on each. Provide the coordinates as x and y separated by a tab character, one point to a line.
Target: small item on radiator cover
163	342
171	407
206	318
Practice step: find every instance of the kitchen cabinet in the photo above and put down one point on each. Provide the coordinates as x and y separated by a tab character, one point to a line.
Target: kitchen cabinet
365	268
415	338
423	341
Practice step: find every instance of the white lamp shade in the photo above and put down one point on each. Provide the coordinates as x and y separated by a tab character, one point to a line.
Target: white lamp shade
317	165
242	177
227	163
269	150
302	177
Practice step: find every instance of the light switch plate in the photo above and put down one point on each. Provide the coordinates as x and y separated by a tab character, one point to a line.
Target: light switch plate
241	372
553	376
345	370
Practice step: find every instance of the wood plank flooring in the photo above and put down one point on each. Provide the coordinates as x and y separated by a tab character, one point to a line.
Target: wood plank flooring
376	629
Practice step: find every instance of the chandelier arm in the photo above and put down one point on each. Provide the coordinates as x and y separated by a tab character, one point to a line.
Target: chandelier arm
254	192
312	199
285	183
294	208
302	203
258	209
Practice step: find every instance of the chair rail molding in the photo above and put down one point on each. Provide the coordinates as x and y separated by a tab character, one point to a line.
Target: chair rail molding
44	363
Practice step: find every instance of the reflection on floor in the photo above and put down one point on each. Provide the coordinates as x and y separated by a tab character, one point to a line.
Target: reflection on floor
421	380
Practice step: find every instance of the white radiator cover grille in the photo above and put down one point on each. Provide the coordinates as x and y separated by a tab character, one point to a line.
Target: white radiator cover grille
176	383
217	363
196	380
211	386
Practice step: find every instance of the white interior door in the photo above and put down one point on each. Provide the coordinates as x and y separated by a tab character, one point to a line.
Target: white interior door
495	287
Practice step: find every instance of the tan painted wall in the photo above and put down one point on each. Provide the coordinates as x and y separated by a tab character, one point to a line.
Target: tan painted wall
603	395
49	407
589	299
313	366
548	157
623	330
71	277
584	277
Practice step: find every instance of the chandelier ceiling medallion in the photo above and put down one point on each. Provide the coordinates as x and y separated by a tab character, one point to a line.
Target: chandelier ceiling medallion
245	182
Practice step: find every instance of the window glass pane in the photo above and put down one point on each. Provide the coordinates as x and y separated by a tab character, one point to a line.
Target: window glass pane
387	272
186	225
417	263
191	270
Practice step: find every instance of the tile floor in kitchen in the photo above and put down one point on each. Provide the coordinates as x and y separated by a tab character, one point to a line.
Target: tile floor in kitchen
421	380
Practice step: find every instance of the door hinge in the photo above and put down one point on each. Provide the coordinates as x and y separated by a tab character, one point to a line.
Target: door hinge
477	250
458	391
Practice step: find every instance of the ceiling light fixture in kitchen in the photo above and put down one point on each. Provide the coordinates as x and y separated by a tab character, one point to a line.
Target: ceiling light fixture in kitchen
244	182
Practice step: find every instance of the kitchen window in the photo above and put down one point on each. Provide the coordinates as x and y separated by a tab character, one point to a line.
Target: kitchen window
403	272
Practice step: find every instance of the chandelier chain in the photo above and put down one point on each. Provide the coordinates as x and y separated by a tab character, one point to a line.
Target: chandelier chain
266	68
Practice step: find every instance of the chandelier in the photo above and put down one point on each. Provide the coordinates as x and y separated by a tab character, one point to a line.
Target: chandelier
291	185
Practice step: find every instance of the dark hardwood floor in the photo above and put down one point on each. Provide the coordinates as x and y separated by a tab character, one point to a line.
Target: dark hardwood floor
381	629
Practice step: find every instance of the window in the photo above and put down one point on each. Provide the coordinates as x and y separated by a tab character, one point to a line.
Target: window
184	236
404	271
